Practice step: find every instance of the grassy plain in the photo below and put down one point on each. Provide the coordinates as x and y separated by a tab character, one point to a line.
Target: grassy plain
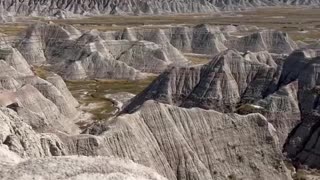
300	23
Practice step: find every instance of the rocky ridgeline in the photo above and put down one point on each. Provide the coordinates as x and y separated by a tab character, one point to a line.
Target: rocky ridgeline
175	142
227	119
94	54
71	8
135	52
284	90
32	108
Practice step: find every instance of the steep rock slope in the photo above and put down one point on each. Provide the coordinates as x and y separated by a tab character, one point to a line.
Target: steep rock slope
205	86
208	39
62	9
92	55
302	144
157	36
44	106
233	82
272	41
201	39
177	143
194	143
183	143
22	141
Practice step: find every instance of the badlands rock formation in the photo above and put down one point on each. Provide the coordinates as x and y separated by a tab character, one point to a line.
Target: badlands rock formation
234	82
227	119
133	52
63	9
44	105
196	144
177	143
201	39
77	168
302	143
38	121
272	41
208	39
126	55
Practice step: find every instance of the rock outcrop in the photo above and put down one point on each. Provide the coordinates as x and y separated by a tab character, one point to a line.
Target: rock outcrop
192	143
77	168
134	52
271	41
302	143
201	39
92	55
63	9
20	140
227	119
235	82
45	106
220	84
175	142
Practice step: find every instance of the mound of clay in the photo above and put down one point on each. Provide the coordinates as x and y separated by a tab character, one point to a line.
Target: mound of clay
272	41
91	55
74	167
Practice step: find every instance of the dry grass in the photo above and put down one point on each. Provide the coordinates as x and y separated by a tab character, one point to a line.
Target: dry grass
93	92
12	29
41	71
290	20
195	60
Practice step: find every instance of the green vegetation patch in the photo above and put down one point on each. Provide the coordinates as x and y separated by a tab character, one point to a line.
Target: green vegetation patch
40	71
91	93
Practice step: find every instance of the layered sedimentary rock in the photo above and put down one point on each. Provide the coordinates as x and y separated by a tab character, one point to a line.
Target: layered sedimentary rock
192	143
63	9
93	55
205	86
157	36
282	109
201	39
272	41
211	40
77	168
302	143
45	106
133	52
177	143
19	139
166	138
234	82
